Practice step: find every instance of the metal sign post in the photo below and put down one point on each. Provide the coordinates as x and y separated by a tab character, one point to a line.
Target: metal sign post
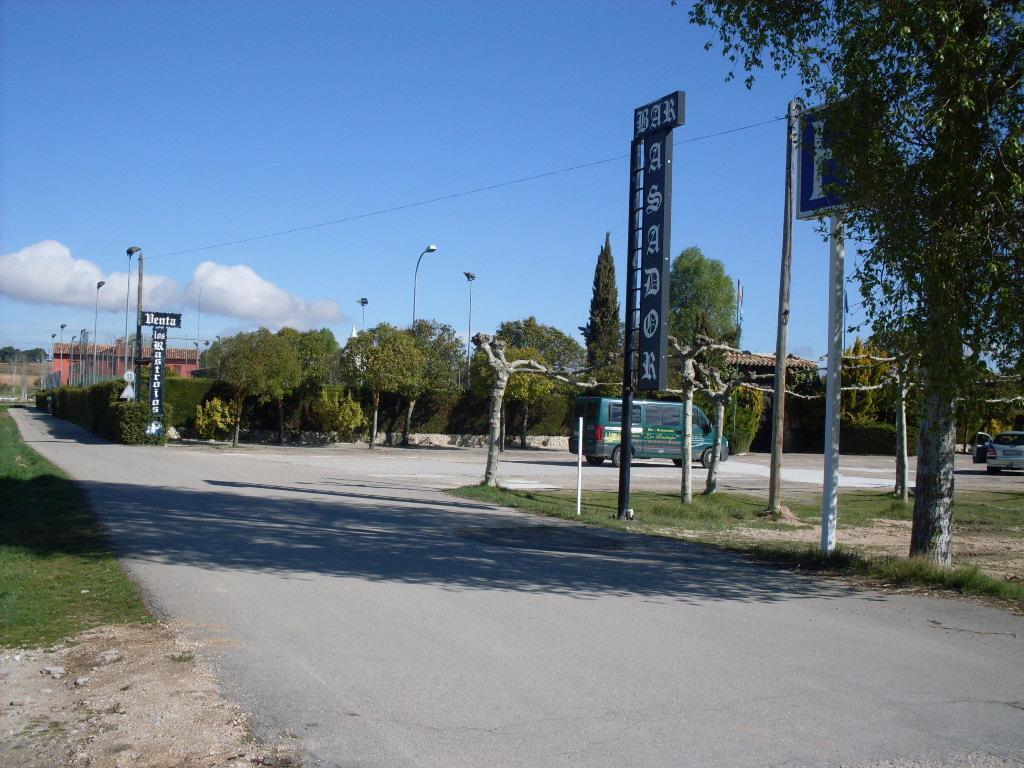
820	194
647	253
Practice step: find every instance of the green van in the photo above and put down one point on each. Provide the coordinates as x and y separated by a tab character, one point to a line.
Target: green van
657	431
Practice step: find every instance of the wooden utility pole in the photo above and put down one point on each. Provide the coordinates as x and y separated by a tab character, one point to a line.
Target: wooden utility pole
138	325
781	338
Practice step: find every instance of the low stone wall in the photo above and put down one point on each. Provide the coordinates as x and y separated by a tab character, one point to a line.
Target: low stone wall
551	442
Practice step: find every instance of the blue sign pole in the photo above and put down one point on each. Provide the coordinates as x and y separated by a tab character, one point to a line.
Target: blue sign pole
819	195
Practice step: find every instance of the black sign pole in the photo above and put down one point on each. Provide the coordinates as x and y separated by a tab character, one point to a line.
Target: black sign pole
647	299
636	164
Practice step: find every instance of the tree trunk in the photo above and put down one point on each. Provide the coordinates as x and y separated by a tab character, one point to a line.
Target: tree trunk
408	420
494	428
932	532
712	483
501	418
280	421
686	491
238	422
902	479
522	430
373	431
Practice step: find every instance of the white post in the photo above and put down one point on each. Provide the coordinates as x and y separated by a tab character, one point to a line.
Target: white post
579	468
836	319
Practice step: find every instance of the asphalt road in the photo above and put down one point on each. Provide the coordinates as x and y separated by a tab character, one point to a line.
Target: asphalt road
386	624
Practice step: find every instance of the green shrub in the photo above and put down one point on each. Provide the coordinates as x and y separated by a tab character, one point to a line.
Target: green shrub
213	420
130	422
749	407
867	438
337	412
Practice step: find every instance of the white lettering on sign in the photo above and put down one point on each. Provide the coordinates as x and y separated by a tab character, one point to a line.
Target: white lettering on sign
668	108
656	116
655	157
653	199
653	243
643	121
652	281
651	322
822	154
648	366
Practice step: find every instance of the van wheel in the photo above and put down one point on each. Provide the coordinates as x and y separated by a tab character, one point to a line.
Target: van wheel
617	456
595	461
705	458
677	462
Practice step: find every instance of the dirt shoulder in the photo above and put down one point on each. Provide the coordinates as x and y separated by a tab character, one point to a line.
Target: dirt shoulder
136	695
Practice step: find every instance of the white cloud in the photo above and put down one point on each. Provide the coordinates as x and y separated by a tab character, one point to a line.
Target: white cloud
47	273
238	291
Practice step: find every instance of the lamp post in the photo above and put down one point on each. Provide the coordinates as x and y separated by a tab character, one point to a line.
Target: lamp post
83	339
127	306
470	277
363	302
71	362
416	276
95	318
138	320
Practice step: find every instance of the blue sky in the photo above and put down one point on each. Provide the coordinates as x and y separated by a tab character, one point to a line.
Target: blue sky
178	125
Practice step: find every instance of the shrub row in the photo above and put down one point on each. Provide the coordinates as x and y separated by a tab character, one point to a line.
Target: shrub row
98	409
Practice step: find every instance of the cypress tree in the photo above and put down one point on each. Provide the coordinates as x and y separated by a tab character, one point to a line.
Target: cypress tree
603	331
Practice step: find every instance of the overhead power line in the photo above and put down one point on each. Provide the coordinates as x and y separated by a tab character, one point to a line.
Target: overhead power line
452	196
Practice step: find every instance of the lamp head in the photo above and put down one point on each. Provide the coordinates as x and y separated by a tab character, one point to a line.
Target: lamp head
133	250
53	335
63	326
364	301
100	284
471	276
430	248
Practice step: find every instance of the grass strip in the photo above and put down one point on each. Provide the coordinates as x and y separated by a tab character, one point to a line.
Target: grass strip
708	520
57	576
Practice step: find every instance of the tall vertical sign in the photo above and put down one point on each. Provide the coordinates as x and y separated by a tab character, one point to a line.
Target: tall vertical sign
160	321
156	380
820	195
647	263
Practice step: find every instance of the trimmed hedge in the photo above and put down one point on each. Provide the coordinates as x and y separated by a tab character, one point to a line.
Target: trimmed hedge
98	410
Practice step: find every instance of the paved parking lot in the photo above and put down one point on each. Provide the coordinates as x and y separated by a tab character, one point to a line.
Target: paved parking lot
539	468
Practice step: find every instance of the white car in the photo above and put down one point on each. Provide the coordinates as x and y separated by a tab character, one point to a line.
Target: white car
1005	451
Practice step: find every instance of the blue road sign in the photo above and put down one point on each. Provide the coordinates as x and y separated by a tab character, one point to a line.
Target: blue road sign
817	175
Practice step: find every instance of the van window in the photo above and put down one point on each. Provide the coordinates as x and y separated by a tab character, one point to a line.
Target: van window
701	420
588	409
664	416
615	413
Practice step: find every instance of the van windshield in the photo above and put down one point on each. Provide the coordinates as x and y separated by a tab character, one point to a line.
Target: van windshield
615	413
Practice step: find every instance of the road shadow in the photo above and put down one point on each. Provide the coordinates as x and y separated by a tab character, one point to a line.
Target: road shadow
458	545
65	431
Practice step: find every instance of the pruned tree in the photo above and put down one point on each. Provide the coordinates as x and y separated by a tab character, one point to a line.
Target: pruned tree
719	389
926	106
496	352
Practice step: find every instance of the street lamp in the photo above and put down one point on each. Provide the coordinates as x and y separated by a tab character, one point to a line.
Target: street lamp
127	305
62	327
363	302
415	279
71	363
138	317
470	277
95	317
83	339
